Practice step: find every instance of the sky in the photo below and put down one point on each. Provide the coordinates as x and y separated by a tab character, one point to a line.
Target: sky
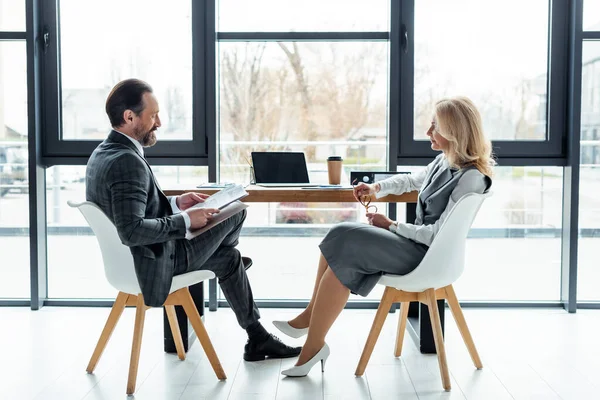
591	14
305	15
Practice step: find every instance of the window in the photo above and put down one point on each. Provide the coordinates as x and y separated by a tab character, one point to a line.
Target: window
589	204
515	238
303	16
149	40
513	250
591	15
12	15
463	48
14	204
326	78
320	97
452	60
75	268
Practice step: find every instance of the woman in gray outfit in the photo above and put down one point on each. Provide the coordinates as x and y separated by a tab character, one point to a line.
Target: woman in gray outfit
355	255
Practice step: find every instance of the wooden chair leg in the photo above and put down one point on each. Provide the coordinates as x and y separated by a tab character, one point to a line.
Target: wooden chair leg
138	330
109	327
186	301
462	325
436	326
401	328
382	312
170	310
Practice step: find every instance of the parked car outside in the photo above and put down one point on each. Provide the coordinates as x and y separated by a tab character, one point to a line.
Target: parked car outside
13	167
6	179
317	213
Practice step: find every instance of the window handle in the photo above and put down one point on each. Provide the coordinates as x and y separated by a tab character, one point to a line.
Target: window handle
45	39
404	39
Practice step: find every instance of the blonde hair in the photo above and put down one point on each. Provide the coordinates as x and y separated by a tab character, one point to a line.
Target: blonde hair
459	122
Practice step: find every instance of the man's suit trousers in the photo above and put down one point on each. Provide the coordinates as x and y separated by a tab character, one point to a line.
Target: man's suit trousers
214	250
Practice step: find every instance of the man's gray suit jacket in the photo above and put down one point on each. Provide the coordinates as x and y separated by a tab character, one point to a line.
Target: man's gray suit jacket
121	183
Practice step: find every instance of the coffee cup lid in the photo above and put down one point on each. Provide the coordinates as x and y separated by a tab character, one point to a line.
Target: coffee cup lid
334	158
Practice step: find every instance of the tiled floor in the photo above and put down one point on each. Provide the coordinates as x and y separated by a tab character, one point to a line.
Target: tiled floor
527	354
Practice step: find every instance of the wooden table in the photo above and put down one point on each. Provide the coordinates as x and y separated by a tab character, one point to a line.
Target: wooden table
418	315
258	194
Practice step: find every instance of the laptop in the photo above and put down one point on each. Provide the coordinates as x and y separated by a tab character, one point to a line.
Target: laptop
280	169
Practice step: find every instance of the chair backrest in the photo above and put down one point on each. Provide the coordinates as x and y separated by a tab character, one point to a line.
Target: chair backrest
444	262
118	261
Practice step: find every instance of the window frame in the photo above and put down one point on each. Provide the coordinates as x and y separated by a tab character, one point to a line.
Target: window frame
6	36
564	48
202	149
339	36
59	151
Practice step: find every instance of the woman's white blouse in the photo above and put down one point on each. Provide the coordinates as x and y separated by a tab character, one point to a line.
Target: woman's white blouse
472	181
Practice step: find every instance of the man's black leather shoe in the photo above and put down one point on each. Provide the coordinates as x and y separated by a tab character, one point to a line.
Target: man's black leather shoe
247	261
270	347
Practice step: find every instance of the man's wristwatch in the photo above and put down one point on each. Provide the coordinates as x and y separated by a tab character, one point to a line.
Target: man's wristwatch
393	227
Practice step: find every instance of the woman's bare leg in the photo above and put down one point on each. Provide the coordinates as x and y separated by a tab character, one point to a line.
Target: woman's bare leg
330	300
303	319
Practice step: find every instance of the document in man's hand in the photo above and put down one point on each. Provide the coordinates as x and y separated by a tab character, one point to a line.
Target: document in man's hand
225	213
224	197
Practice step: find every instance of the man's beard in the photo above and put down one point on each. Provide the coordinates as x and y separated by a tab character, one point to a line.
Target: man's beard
147	139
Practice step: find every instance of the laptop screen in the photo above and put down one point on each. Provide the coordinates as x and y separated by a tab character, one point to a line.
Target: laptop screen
279	167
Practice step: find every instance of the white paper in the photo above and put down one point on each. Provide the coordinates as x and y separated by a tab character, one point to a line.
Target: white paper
225	213
224	197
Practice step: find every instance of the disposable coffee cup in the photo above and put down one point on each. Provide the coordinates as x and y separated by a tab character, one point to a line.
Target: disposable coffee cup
334	168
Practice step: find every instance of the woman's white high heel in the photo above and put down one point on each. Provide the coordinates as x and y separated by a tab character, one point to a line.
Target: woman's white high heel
289	330
304	369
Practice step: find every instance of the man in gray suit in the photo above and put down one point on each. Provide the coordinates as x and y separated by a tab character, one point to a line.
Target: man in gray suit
119	180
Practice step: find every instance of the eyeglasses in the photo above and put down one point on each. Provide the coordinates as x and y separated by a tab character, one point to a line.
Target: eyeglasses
365	200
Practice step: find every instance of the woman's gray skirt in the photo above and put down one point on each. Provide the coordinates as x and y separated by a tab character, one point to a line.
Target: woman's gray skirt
359	254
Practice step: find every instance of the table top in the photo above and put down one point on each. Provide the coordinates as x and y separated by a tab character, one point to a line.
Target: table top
259	194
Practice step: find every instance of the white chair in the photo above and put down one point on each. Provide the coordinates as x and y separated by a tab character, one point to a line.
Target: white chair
442	265
120	272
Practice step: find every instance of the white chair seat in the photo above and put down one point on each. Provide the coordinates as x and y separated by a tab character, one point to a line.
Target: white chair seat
189	279
407	283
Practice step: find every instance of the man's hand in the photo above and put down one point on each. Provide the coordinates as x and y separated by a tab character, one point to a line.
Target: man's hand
188	200
379	220
199	217
363	189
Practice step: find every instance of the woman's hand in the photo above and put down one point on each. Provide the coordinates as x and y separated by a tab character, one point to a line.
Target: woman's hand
363	189
190	199
379	220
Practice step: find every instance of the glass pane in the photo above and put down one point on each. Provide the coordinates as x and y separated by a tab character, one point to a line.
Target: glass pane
318	98
14	198
462	47
591	15
12	15
513	251
155	46
303	16
75	268
517	233
589	204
